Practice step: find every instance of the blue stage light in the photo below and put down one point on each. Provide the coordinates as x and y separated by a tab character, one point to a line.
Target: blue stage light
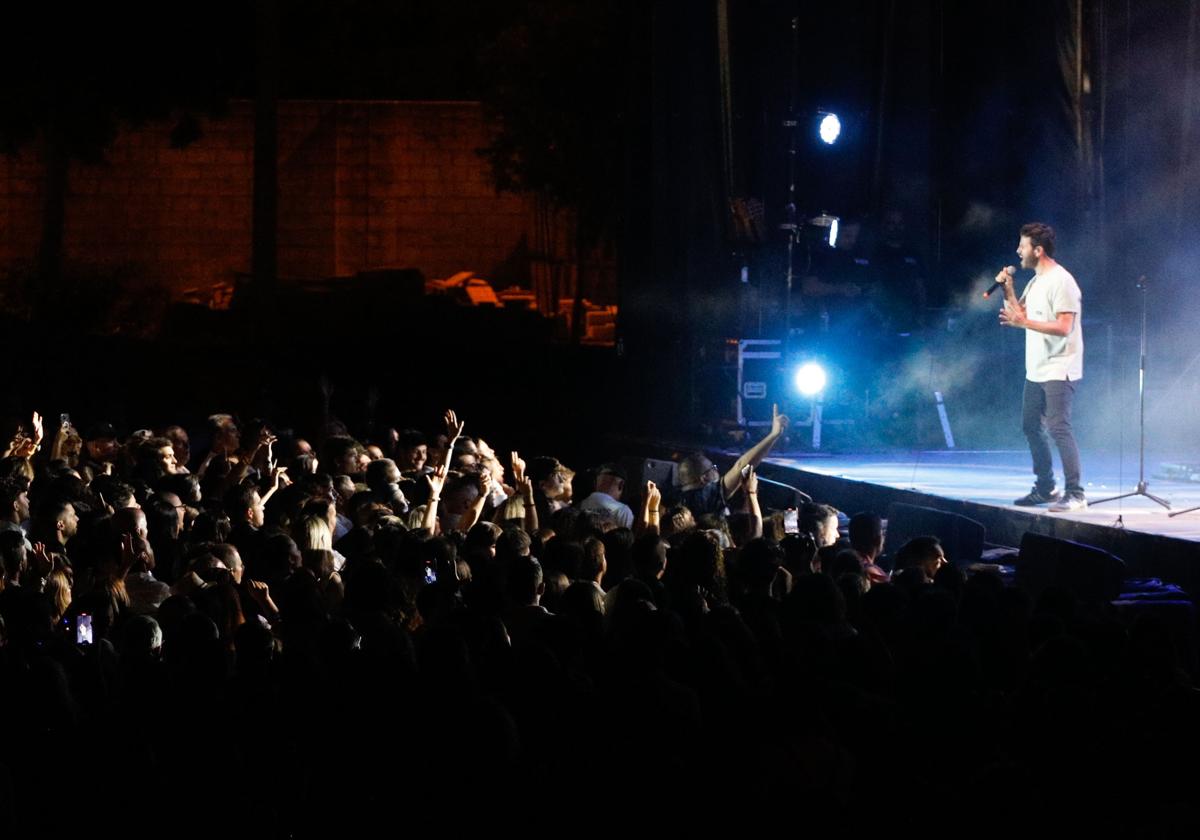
810	379
830	128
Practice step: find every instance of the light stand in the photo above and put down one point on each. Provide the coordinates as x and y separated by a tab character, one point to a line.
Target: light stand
790	223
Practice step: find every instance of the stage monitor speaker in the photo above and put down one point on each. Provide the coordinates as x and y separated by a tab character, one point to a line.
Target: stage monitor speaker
640	470
962	538
1088	573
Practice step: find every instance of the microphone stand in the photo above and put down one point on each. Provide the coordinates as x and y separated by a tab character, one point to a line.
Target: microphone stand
1142	484
800	494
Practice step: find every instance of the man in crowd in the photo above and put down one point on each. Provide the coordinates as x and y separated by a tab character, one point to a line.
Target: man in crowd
703	489
606	498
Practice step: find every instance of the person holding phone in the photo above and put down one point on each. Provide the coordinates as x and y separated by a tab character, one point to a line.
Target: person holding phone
703	489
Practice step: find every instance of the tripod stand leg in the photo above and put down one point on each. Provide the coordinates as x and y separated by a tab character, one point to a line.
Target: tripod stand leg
1112	499
1154	498
1141	491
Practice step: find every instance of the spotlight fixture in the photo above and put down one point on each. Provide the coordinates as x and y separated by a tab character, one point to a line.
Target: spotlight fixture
830	127
810	379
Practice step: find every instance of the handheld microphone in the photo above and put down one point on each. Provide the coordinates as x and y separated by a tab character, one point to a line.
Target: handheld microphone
1010	271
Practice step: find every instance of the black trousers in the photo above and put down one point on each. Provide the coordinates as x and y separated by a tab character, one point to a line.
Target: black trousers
1046	414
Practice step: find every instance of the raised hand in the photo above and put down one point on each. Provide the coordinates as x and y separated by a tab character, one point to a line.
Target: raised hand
525	488
779	422
259	591
23	447
38	431
454	428
653	496
42	561
261	454
279	478
435	480
751	482
518	467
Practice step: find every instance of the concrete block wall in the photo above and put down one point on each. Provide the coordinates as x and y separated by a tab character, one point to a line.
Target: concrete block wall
363	185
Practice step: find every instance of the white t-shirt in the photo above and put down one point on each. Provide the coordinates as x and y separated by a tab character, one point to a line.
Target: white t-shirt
619	512
1052	357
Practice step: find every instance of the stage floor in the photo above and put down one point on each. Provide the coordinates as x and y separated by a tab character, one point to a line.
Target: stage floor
995	478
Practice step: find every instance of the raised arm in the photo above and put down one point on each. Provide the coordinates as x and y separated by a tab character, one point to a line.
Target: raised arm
435	479
261	455
454	430
756	519
525	488
473	515
24	446
651	506
261	593
59	444
277	479
754	456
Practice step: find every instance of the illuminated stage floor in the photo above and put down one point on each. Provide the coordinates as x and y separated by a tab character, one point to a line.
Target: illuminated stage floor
995	478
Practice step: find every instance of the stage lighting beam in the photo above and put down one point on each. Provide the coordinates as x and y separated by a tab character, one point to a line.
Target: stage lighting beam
810	379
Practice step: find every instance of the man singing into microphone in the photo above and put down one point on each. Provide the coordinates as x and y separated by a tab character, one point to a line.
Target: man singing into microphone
1049	312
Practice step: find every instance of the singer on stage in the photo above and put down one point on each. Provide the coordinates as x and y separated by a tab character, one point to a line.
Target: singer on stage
1049	311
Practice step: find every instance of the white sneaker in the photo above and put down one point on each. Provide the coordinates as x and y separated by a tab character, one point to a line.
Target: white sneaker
1069	501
